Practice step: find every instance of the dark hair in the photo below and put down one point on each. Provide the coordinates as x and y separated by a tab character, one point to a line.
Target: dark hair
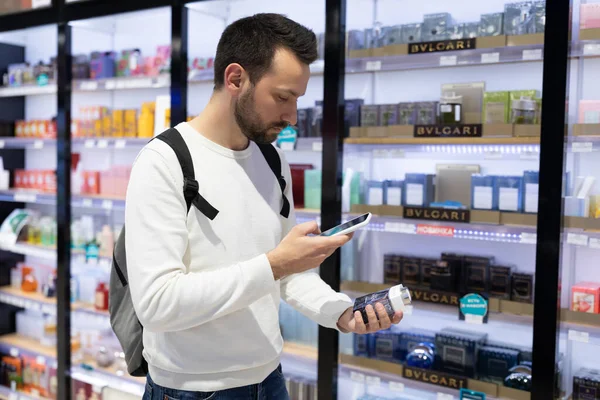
252	42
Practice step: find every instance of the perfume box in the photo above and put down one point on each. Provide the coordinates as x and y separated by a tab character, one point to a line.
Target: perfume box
585	297
372	38
297	172
586	384
539	16
411	338
456	32
407	114
589	16
522	288
316	121
352	113
391	35
510	193
442	277
499	285
494	363
472	94
392	269
427	112
477	273
518	18
418	190
369	115
456	351
374	193
411	271
589	110
392	192
491	24
388	114
531	180
436	27
456	262
385	345
303	122
361	345
427	265
471	30
496	107
411	33
355	39
484	192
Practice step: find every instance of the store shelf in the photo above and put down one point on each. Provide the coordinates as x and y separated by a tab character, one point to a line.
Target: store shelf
40	252
23	143
27	90
122	83
17	344
411	141
432	377
8	394
31	301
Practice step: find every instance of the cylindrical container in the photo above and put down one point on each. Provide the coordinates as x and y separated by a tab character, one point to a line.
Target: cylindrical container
524	111
393	299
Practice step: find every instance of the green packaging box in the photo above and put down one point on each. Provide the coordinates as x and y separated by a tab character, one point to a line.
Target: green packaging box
496	107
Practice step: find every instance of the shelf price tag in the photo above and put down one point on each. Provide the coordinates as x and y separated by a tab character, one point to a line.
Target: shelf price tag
577	336
489	58
317	146
40	3
287	146
583	147
446	61
594	243
88	203
591	49
373	65
577	239
444	396
38	144
88	85
120	144
380	153
1	144
531	55
529	155
89	144
110	84
373	381
396	387
529	238
357	377
25	198
107	204
102	144
493	155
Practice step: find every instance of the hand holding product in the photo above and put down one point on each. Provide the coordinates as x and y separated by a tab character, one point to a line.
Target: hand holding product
299	252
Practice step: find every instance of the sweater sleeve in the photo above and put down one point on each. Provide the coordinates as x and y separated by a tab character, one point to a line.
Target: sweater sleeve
165	296
307	292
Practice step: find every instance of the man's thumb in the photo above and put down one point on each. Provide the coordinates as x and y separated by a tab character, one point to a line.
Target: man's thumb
307	228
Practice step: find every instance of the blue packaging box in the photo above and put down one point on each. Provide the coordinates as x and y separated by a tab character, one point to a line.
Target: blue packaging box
419	190
510	193
375	193
411	339
494	363
456	351
392	192
531	184
361	345
385	345
484	192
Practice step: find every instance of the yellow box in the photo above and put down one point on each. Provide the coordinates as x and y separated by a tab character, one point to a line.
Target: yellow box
130	123
107	126
97	128
117	123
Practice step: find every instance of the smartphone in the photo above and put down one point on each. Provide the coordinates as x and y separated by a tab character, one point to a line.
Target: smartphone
348	227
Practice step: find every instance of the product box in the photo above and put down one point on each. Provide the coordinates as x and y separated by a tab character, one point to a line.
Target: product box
407	114
303	122
456	263
589	110
391	35
586	384
355	39
392	269
388	114
411	33
392	192
374	193
419	190
443	277
499	285
531	180
539	15
427	112
522	288
484	192
456	351
436	27
589	16
456	32
411	271
369	115
477	273
510	193
386	345
496	107
361	345
372	38
471	30
586	297
472	94
118	123
130	124
352	113
427	265
491	24
518	18
411	338
494	363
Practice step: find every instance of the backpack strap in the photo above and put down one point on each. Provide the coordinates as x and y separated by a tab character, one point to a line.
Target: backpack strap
173	138
272	157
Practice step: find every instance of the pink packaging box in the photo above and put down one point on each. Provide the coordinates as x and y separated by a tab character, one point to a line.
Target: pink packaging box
589	112
590	16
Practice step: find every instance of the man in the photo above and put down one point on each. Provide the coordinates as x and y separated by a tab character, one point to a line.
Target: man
207	291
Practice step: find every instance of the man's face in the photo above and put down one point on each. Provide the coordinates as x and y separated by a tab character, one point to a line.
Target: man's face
270	105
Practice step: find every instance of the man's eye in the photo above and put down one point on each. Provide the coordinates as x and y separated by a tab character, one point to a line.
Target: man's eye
281	98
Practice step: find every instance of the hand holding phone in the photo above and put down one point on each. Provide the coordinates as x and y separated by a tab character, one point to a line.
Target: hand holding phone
348	227
299	252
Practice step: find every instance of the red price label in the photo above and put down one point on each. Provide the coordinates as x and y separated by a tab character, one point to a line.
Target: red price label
434	230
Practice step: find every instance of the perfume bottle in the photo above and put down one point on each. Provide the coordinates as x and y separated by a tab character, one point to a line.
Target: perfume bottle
519	378
49	288
101	302
422	356
393	299
28	283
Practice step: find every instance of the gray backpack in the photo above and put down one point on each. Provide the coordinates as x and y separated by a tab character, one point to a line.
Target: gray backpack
123	319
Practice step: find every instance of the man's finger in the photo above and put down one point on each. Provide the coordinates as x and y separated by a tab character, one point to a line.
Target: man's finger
384	319
373	322
360	326
397	317
307	228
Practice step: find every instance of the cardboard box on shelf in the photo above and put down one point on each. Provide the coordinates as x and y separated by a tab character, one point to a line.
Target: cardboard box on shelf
130	125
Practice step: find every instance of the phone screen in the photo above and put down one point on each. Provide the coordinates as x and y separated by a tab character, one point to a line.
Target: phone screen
345	225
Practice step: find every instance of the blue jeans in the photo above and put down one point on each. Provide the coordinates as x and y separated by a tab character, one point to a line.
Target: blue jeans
272	388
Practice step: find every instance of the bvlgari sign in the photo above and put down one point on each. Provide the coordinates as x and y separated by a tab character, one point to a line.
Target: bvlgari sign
455	131
436	214
442	45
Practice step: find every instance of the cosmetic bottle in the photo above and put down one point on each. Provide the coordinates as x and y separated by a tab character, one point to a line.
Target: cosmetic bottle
393	299
101	300
422	356
29	283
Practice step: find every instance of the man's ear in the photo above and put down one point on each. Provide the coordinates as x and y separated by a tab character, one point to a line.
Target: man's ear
233	79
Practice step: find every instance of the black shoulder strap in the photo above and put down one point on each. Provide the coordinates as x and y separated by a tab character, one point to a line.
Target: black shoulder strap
190	186
272	157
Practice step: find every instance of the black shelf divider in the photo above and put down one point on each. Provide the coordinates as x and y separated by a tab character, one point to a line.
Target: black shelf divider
179	63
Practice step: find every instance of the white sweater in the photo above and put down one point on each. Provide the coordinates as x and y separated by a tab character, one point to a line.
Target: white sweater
204	290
